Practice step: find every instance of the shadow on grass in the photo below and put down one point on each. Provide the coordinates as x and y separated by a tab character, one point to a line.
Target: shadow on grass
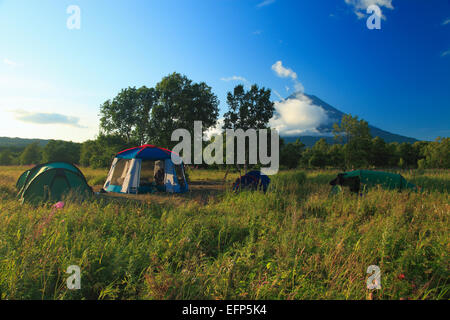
7	193
432	183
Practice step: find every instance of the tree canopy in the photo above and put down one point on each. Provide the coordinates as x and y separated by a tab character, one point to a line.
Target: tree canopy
357	137
150	115
61	151
179	103
248	109
31	154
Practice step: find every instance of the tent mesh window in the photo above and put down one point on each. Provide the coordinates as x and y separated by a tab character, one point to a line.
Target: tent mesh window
152	172
180	175
120	172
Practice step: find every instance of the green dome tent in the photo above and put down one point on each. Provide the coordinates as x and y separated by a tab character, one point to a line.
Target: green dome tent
21	181
360	179
50	182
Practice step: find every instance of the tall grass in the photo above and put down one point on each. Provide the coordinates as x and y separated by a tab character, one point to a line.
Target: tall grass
294	242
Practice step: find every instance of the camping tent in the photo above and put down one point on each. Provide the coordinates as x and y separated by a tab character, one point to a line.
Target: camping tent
127	171
359	179
21	181
51	181
253	180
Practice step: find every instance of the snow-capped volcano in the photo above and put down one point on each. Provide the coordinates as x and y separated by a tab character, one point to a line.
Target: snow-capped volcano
309	118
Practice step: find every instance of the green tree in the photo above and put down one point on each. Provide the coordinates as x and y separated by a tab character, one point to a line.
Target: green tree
5	157
56	150
336	156
392	151
319	157
407	154
351	128
250	109
128	114
305	158
88	149
100	152
437	153
146	100
180	102
358	140
419	151
291	153
379	154
31	154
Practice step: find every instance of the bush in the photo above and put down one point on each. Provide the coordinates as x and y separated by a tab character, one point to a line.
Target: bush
61	151
31	154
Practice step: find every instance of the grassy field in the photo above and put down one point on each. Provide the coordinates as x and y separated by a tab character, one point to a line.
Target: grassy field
295	242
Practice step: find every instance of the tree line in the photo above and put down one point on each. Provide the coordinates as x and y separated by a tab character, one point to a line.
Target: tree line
376	154
356	148
149	115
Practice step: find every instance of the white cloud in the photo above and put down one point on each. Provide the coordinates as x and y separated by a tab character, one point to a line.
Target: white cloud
278	95
360	15
265	3
360	6
234	78
298	116
294	116
28	102
445	53
47	118
283	72
214	131
11	63
445	22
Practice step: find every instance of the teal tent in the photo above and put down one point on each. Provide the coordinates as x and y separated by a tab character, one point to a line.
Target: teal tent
21	181
363	179
51	182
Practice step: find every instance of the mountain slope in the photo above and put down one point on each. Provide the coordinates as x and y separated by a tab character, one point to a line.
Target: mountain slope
335	116
19	143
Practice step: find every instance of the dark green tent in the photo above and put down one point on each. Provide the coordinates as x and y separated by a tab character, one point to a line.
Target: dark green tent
363	179
21	181
50	182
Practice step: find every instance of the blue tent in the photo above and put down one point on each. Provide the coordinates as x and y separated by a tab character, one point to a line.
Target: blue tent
253	180
125	173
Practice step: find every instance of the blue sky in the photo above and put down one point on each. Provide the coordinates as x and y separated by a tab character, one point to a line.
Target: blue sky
53	80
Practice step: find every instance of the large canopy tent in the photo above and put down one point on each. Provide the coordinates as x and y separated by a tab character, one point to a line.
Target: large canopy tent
146	169
50	182
363	179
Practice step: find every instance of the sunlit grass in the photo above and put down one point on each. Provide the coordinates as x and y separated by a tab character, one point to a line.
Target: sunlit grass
294	242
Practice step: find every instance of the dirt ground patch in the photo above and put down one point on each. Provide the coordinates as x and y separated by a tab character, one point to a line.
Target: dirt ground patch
201	192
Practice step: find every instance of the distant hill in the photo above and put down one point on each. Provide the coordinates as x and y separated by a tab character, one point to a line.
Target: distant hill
309	141
335	116
19	143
